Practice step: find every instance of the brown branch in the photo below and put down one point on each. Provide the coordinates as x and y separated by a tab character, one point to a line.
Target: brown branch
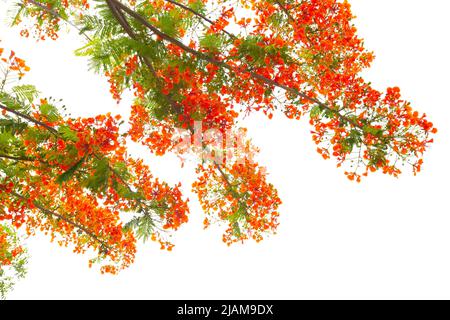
28	118
5	156
285	9
120	18
59	216
230	186
123	22
224	176
45	8
115	8
118	5
221	64
199	15
114	4
55	14
23	159
126	26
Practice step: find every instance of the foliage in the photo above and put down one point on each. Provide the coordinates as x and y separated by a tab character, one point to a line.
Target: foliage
13	259
73	178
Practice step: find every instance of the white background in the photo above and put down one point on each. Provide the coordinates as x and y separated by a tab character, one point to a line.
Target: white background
385	238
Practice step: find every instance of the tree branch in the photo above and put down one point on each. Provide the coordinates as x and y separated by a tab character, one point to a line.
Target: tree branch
5	156
126	26
283	7
30	119
199	15
55	14
121	19
59	216
221	64
118	5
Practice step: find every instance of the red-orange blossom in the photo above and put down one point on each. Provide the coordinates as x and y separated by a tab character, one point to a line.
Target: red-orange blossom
190	61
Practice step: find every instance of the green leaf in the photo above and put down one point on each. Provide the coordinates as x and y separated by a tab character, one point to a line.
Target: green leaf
142	226
236	230
197	6
10	101
315	111
5	138
99	180
169	24
68	134
212	42
26	93
49	111
101	27
373	131
252	47
12	126
70	172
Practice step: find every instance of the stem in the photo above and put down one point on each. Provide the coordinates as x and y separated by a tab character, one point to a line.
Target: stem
123	22
30	119
5	156
283	7
55	14
115	4
59	216
121	19
2	87
198	14
126	26
221	64
230	186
